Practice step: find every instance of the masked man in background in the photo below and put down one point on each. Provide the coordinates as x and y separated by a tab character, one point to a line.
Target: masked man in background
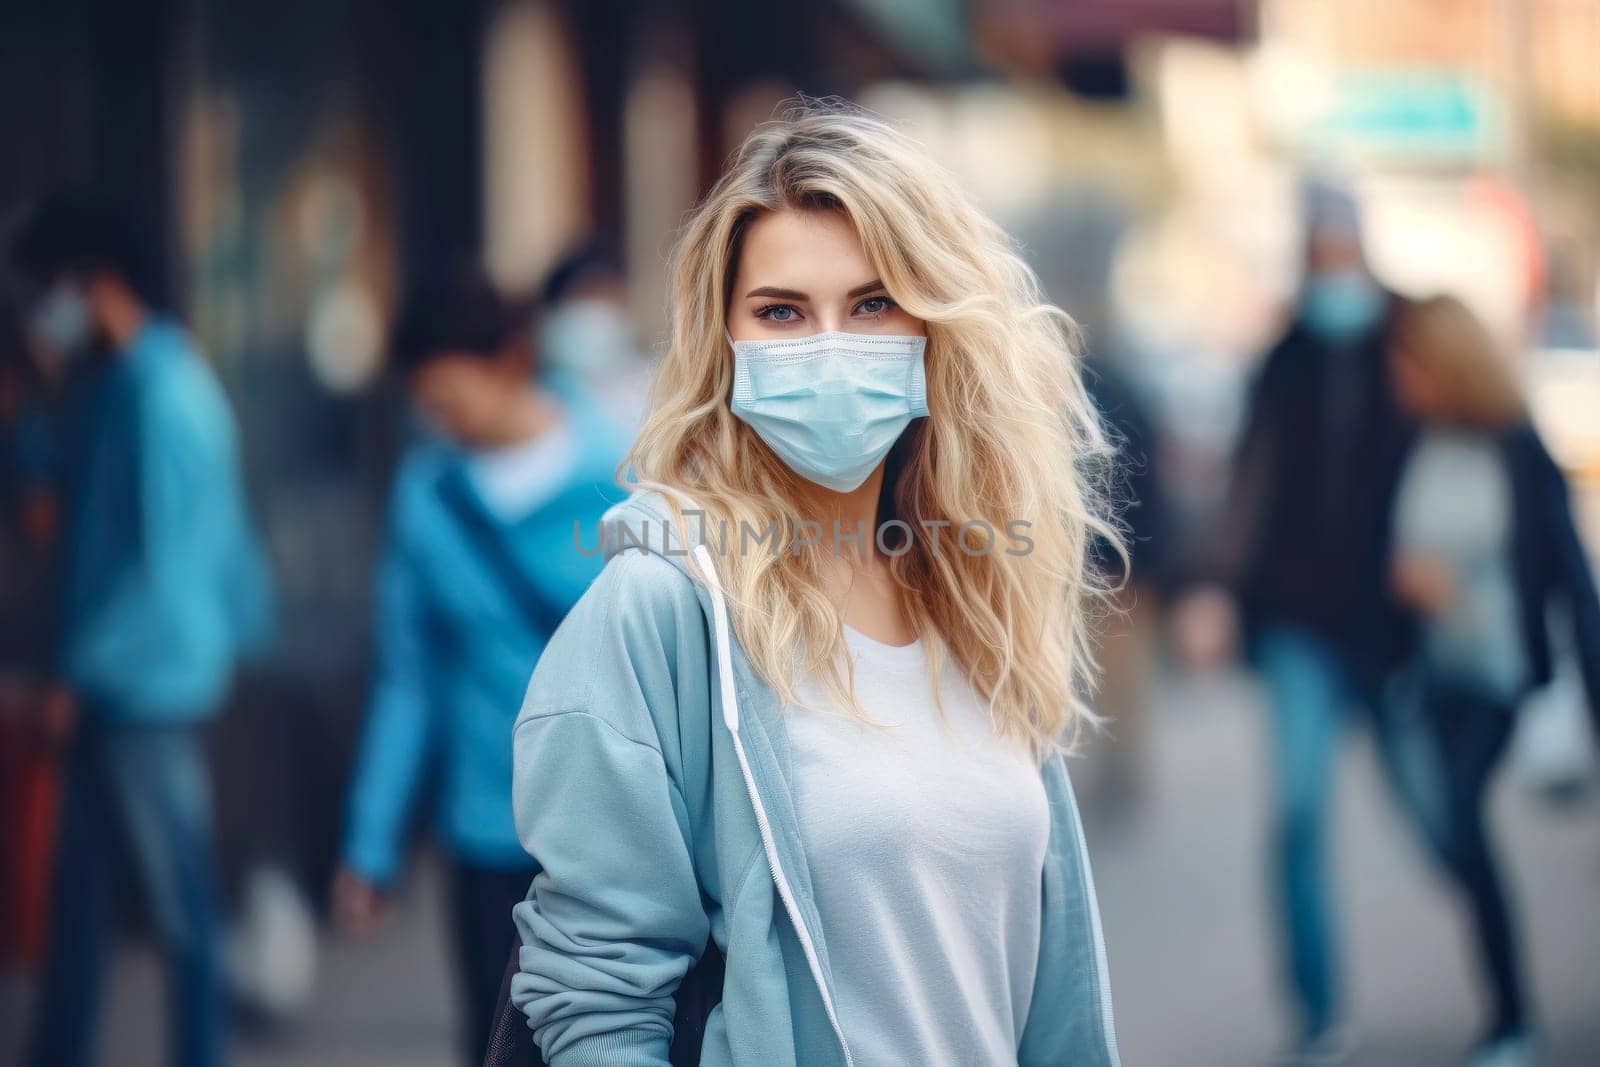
162	587
1303	548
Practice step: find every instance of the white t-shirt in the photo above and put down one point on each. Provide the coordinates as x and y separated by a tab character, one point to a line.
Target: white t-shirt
926	848
518	478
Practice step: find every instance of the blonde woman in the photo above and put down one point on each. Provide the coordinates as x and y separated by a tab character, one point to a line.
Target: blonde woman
792	768
1483	538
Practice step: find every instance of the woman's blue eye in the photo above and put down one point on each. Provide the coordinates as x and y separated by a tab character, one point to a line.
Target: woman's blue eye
875	305
777	313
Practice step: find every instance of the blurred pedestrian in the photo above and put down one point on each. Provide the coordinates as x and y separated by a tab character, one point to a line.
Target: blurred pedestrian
163	586
586	330
1483	541
1114	779
1304	546
477	572
28	778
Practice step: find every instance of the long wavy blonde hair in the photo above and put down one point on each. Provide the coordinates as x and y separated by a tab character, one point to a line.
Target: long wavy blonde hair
1012	434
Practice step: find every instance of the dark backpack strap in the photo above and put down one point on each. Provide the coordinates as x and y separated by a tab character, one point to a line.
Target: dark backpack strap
490	543
511	1043
698	993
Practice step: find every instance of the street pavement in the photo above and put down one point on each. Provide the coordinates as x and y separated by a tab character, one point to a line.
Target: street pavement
1182	892
1180	876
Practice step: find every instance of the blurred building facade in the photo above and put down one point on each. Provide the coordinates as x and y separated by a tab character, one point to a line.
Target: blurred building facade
294	163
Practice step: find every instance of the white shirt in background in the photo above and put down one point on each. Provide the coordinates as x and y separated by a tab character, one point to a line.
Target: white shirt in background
1454	505
515	480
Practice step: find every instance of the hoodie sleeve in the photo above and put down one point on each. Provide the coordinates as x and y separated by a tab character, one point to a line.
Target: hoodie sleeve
614	919
400	735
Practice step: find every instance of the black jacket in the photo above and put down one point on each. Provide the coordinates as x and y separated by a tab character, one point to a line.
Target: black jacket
1550	562
1305	534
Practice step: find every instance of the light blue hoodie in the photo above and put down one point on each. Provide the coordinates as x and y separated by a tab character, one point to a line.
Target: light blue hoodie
652	784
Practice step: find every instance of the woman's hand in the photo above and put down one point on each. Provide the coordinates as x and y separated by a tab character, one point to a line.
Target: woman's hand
1424	582
359	906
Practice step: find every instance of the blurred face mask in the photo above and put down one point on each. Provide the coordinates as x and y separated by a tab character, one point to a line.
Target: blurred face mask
833	404
61	322
587	337
1339	306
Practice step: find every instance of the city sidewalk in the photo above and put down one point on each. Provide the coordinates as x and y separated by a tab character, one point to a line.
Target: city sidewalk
1181	889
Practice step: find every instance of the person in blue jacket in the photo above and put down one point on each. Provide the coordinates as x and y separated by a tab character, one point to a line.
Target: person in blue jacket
477	571
162	587
793	767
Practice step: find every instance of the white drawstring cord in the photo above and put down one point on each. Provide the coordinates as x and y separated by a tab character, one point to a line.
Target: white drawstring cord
730	716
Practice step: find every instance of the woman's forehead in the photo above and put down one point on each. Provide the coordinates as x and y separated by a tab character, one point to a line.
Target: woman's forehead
818	252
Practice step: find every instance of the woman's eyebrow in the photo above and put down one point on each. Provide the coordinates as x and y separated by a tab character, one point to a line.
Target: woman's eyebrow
780	294
777	293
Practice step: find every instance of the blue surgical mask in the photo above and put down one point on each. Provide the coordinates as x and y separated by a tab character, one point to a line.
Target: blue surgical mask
590	337
1339	306
830	405
61	322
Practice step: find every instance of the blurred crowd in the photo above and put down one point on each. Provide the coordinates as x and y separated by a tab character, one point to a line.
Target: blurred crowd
1366	511
137	584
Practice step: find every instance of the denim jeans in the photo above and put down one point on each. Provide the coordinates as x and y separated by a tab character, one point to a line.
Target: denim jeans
1310	689
135	798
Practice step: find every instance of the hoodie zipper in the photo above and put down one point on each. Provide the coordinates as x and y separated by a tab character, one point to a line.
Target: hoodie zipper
730	717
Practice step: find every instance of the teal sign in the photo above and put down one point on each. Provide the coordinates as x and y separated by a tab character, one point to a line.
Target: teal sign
1422	115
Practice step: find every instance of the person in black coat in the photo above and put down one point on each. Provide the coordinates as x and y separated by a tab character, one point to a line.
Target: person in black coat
1483	544
1301	552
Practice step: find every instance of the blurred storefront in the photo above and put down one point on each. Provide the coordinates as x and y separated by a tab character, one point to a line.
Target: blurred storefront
295	163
